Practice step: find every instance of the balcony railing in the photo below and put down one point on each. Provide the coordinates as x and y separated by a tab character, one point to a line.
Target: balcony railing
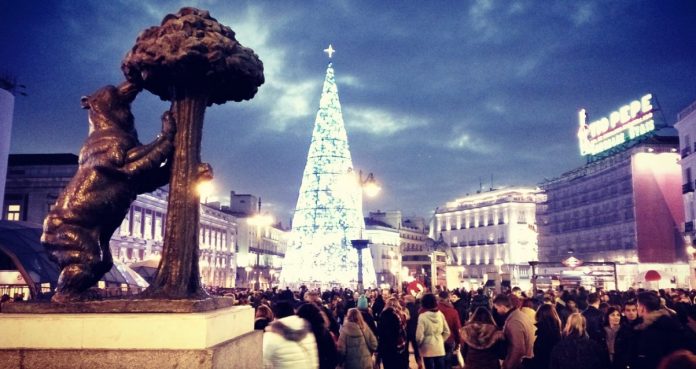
689	226
687	187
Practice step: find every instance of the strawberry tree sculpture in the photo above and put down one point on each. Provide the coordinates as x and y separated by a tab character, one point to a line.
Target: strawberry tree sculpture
193	61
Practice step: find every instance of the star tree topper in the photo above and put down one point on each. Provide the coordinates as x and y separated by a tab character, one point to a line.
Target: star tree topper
330	50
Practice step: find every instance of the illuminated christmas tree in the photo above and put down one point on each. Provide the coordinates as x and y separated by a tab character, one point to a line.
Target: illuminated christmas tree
328	214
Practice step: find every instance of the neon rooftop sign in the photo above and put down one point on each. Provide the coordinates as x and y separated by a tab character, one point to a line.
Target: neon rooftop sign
623	125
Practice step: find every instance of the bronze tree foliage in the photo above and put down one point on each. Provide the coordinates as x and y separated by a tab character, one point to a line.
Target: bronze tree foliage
193	61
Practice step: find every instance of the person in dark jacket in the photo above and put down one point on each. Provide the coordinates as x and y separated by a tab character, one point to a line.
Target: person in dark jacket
480	300
482	342
595	319
378	305
452	318
625	337
392	338
326	346
576	350
658	335
413	307
548	334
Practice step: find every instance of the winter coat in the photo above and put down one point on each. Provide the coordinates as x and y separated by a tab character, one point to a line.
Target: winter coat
393	344
546	339
480	301
288	343
579	353
481	345
453	322
624	344
431	333
356	346
326	347
595	324
519	331
657	336
369	320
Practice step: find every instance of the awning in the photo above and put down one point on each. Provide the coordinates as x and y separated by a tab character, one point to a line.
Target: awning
652	276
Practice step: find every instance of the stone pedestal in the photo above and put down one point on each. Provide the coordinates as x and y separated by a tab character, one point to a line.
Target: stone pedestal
221	338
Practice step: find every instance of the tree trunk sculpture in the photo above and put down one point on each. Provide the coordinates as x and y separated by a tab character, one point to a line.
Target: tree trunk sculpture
192	61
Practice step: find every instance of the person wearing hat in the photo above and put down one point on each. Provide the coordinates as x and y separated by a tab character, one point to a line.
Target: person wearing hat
367	314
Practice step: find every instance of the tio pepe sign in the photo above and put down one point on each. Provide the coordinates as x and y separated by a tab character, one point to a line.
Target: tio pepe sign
623	125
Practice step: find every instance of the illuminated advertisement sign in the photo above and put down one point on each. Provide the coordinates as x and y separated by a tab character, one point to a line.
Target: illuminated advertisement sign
623	125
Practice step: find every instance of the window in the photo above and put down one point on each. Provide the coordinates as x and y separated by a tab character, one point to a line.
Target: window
13	212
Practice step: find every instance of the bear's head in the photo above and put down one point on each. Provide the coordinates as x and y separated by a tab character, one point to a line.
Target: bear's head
109	107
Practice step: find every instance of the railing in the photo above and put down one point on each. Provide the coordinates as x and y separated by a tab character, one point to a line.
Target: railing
687	187
689	226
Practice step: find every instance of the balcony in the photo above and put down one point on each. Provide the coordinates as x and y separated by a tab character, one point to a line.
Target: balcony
689	226
687	187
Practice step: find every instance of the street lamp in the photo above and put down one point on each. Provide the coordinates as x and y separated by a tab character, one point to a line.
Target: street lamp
205	188
368	186
498	276
260	221
248	269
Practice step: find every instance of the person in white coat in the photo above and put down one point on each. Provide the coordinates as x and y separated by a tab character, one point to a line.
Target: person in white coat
431	333
289	343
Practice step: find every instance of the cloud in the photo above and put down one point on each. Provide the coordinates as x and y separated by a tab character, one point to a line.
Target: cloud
465	141
480	15
380	122
290	101
584	14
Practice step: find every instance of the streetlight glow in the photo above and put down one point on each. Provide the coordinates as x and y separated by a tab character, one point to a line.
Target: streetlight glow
204	189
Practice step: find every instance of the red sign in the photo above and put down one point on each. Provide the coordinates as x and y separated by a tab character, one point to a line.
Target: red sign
415	288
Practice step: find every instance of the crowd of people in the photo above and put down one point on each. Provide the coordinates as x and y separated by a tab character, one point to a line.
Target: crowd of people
472	329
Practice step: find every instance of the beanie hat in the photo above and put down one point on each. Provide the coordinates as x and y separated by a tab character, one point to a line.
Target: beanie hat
362	302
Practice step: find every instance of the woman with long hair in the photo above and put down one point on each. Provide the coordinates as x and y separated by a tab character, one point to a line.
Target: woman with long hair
548	334
481	341
356	342
576	350
263	317
392	337
319	323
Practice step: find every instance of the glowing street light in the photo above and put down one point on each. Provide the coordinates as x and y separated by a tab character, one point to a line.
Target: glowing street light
204	189
260	221
368	186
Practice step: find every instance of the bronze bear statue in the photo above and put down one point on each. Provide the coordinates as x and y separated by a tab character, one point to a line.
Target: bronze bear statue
113	168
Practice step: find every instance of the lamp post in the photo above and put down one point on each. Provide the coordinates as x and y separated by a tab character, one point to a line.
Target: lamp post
248	269
360	245
368	186
260	222
498	276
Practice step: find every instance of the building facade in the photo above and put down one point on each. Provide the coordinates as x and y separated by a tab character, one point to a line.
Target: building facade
686	126
34	182
492	236
386	252
420	257
624	208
